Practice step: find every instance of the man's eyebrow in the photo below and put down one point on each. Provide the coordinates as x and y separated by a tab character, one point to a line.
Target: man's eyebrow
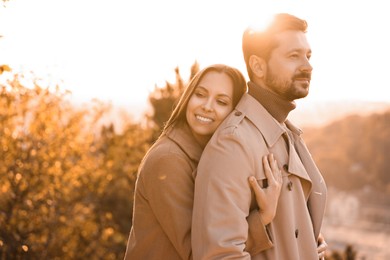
300	50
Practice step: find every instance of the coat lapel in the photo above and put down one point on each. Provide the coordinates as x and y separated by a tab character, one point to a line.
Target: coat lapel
296	167
317	197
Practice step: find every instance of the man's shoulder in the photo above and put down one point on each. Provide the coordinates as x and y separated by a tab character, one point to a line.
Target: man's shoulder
236	125
234	119
246	111
241	117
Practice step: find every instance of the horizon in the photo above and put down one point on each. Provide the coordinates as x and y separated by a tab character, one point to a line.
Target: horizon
307	114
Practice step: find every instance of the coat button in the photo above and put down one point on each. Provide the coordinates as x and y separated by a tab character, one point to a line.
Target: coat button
289	185
296	233
237	113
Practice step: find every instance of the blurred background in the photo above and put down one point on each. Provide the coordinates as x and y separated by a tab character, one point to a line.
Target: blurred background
85	87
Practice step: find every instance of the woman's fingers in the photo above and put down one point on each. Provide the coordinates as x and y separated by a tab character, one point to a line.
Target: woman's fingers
277	173
267	168
259	192
254	185
272	171
322	247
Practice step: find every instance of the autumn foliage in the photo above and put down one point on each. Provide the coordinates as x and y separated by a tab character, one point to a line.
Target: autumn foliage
66	175
66	179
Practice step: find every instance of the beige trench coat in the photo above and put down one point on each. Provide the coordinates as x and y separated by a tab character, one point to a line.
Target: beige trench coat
223	200
163	201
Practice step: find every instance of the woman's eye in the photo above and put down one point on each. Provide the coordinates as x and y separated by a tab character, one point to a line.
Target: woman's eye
199	94
222	102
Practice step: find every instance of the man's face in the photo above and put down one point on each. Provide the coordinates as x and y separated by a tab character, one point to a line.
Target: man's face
288	69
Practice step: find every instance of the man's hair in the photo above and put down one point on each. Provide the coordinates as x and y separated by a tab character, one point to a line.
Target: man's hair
262	42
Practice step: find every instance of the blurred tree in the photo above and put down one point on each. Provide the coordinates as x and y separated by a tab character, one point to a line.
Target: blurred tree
348	254
38	170
4	67
121	155
353	152
63	184
164	100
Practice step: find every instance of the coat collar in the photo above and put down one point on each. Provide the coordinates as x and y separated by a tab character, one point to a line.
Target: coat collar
272	131
182	136
263	120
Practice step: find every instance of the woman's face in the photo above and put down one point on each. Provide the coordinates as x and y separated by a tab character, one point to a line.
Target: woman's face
210	103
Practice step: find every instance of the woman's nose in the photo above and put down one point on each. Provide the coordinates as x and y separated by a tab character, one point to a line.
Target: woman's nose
207	106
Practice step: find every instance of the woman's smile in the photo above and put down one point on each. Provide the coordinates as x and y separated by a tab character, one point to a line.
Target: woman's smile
204	119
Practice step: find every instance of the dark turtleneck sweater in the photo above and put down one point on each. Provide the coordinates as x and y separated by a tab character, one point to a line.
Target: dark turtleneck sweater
278	107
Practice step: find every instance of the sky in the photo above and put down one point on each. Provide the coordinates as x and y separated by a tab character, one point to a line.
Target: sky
119	50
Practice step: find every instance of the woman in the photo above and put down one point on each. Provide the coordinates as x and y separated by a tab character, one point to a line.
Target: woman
165	185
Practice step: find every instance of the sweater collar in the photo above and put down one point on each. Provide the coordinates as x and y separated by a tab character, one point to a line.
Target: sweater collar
278	107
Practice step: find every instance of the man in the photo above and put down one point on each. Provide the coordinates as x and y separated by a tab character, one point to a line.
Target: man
279	70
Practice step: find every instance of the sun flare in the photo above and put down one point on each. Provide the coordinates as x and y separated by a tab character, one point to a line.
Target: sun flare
261	22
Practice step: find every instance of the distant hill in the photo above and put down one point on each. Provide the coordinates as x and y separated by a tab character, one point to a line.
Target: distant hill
353	152
308	114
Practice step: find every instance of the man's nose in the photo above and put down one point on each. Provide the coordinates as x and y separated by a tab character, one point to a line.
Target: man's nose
306	66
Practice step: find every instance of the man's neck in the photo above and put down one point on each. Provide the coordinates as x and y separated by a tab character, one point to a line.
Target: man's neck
278	107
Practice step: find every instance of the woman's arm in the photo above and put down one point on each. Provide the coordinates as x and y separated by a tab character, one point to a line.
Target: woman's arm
267	200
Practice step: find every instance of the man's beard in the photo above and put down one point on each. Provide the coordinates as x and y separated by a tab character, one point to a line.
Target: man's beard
285	88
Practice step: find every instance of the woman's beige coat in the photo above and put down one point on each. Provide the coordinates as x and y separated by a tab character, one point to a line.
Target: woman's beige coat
223	199
163	201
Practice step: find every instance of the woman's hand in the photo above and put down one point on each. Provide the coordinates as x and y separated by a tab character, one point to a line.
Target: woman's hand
267	197
322	246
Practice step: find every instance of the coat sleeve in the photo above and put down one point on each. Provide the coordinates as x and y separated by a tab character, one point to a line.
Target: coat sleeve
258	238
169	184
222	202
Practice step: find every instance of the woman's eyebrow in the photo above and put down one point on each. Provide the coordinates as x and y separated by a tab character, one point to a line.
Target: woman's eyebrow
218	95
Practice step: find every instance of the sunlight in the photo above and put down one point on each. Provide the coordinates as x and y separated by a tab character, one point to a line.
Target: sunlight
133	48
261	23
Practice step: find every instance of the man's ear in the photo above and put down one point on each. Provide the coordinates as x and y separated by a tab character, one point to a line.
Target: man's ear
258	66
